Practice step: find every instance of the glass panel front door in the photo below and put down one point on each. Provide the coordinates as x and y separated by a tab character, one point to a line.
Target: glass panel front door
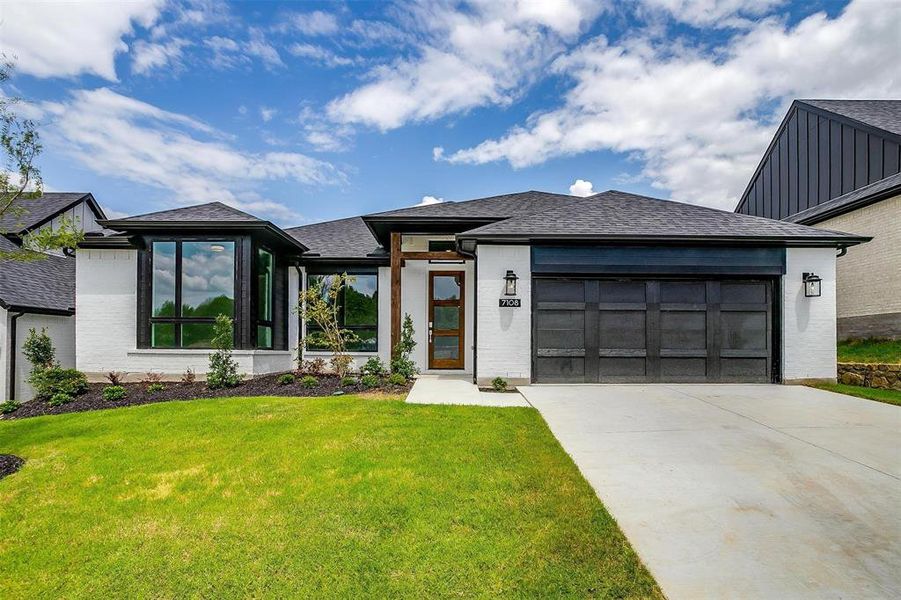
446	319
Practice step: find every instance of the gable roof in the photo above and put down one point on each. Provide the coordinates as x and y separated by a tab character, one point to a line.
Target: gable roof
212	216
622	217
46	284
491	207
342	238
26	214
882	114
884	188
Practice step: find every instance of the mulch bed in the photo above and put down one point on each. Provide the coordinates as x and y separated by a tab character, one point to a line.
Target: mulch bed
9	464
264	385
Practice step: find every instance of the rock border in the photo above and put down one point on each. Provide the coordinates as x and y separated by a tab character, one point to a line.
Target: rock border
873	375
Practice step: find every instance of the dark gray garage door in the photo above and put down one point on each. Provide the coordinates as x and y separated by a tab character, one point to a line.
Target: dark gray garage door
652	330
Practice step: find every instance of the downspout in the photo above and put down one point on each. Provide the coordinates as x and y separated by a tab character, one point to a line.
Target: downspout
12	355
475	311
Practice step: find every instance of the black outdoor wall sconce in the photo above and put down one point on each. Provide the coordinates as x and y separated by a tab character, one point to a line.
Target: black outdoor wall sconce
510	283
811	285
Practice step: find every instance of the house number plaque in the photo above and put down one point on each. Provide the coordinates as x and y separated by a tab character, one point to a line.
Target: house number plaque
509	302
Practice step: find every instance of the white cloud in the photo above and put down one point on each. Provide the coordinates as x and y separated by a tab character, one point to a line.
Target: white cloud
701	122
64	39
259	47
150	55
427	200
479	53
702	13
582	188
313	23
319	54
118	136
267	113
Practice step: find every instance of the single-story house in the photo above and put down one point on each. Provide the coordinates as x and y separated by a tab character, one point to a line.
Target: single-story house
38	293
531	287
836	164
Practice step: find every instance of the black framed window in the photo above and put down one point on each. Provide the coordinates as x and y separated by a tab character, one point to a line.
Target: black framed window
442	246
193	281
358	309
265	273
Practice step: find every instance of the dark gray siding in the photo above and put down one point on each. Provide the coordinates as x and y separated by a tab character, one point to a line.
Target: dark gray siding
815	157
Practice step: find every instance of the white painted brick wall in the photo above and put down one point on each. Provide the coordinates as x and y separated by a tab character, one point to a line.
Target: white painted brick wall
504	345
808	324
61	330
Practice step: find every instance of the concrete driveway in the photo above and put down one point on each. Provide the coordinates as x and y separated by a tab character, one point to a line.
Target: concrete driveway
742	491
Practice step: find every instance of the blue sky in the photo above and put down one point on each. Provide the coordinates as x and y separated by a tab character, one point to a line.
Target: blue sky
308	111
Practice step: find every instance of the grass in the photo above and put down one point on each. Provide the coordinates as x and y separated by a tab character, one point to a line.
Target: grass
870	351
879	395
282	497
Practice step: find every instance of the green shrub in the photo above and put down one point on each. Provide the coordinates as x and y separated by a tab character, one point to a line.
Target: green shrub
348	381
60	398
308	381
499	384
223	371
397	379
404	367
374	366
370	381
38	349
285	379
114	392
56	380
401	363
156	386
9	406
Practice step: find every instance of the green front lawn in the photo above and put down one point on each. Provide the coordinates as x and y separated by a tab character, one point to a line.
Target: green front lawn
870	351
284	497
887	396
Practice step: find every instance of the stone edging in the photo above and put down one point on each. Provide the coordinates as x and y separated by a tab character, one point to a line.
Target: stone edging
874	375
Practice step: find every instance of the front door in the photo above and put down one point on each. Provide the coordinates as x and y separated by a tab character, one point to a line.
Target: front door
446	319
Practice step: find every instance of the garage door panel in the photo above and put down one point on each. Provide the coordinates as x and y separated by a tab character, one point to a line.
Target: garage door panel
652	330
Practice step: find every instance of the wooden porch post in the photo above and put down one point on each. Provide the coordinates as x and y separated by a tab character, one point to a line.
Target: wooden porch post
395	290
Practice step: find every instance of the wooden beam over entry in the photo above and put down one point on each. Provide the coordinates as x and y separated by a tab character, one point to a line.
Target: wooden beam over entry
396	261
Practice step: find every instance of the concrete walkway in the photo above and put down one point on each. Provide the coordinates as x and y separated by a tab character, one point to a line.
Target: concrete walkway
742	491
457	389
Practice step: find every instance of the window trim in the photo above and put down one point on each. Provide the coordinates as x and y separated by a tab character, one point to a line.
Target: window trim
354	272
255	305
147	321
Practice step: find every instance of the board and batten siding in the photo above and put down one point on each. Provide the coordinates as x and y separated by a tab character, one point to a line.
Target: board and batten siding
814	158
504	337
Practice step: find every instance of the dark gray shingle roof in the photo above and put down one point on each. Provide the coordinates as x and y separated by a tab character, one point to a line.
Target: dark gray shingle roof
47	283
883	188
343	238
884	114
27	213
211	211
506	205
620	215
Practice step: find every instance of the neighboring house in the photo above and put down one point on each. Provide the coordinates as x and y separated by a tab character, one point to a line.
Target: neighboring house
38	293
834	164
531	287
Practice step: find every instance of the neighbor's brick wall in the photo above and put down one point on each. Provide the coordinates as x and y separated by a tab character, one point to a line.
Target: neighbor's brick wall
808	324
870	375
504	334
869	275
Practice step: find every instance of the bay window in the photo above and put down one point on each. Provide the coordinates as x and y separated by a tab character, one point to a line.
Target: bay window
358	309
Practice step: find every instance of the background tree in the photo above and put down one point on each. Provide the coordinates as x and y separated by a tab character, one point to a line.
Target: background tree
20	177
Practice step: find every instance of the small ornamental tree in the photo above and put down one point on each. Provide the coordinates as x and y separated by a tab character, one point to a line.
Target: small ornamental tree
223	371
38	349
401	363
320	303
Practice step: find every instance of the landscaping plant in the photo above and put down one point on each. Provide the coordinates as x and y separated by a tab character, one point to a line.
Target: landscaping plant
499	384
115	377
189	377
48	383
348	381
397	379
223	371
60	398
314	366
401	363
370	381
308	381
38	349
374	366
320	304
9	406
114	392
155	387
285	379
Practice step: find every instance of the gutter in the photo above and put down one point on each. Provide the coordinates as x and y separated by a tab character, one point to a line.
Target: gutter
12	355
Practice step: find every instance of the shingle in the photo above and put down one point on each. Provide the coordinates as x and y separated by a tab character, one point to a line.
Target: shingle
343	238
847	202
47	283
27	213
506	205
884	114
211	211
620	215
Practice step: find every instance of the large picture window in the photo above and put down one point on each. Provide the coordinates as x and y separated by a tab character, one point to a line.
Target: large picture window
193	282
265	269
358	309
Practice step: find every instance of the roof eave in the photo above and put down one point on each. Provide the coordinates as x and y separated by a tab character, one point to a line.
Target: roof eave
824	241
126	225
816	216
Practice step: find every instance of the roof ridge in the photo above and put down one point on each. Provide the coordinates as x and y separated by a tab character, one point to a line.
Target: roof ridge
471	200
